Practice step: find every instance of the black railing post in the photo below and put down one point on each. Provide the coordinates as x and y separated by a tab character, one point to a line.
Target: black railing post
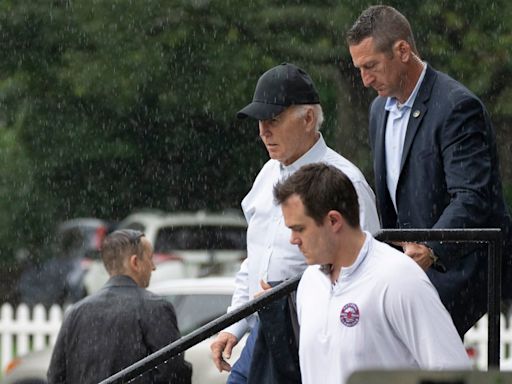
494	302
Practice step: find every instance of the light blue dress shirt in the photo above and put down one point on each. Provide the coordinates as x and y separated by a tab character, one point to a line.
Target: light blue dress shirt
396	128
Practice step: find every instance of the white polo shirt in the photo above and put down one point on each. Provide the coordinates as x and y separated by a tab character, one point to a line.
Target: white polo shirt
382	313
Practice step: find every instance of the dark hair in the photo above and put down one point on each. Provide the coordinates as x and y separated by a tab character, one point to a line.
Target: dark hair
385	24
118	245
322	188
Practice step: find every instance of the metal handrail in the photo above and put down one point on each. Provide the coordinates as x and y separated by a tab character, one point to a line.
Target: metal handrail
204	332
488	235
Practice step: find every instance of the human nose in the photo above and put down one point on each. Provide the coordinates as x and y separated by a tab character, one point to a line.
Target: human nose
264	128
294	239
367	77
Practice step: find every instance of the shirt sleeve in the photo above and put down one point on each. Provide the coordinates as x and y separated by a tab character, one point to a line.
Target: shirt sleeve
423	324
368	216
240	297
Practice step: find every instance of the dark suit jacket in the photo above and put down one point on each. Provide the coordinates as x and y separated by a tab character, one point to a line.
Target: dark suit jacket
112	329
449	178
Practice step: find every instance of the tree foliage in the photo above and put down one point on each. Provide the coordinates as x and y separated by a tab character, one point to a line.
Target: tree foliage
109	106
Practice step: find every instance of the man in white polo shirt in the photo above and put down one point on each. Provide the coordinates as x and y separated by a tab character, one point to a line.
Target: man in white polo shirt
361	304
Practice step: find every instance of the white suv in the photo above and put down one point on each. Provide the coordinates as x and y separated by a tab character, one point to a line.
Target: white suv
186	244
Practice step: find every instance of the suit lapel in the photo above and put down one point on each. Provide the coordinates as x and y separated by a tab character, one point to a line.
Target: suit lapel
386	209
380	150
418	111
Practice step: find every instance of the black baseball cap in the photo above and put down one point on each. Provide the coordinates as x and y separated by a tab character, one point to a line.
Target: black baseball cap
277	89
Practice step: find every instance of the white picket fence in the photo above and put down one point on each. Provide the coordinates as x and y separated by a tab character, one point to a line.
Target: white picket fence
23	330
476	340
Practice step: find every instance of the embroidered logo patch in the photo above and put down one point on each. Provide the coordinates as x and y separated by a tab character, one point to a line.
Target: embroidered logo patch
349	315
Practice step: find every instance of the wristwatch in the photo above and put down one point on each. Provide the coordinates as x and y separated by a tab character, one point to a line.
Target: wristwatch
436	262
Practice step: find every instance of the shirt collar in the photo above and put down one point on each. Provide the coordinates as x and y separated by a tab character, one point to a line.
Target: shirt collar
392	102
120	280
314	155
363	252
347	271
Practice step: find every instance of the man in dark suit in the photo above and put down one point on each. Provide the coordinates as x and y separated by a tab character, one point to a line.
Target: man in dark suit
120	324
434	157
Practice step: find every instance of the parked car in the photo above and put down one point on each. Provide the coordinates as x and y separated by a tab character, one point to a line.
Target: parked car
197	302
186	244
59	279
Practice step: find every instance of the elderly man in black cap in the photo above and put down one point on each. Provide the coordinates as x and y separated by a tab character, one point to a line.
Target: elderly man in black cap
287	107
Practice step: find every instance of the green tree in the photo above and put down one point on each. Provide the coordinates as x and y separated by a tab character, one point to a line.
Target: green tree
109	106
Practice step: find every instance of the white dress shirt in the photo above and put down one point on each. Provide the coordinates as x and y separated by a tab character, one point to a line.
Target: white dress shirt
270	256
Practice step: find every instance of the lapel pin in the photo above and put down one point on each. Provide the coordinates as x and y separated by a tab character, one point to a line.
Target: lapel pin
416	113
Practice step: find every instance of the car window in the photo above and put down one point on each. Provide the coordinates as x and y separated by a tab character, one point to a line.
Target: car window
195	310
199	238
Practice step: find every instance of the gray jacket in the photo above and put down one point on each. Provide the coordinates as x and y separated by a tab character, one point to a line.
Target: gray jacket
112	329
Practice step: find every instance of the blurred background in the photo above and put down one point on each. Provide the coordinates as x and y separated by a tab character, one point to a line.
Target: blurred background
110	107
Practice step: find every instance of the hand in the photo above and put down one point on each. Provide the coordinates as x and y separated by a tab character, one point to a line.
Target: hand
222	347
264	288
420	253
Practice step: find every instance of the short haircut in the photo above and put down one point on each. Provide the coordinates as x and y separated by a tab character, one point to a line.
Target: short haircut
321	188
301	110
119	245
385	24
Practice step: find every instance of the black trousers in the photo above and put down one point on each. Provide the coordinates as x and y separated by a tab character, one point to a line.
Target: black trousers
275	358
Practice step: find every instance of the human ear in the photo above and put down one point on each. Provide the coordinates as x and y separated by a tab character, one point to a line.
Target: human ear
403	50
335	219
309	117
133	261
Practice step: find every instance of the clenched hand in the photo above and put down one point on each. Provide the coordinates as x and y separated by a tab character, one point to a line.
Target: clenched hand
419	253
221	348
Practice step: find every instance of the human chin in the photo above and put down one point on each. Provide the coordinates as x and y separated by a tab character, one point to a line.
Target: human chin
381	91
310	259
275	155
273	150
